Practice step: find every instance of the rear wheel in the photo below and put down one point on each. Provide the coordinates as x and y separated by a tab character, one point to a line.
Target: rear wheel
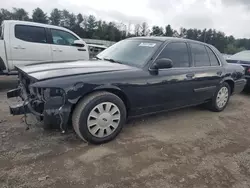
99	117
221	98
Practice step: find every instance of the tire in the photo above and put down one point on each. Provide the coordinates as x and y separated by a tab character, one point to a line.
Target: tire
215	105
82	116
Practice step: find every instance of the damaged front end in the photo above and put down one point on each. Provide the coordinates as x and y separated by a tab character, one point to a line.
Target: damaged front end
47	104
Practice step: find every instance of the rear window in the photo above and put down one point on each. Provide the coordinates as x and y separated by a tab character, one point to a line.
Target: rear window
200	55
213	59
30	33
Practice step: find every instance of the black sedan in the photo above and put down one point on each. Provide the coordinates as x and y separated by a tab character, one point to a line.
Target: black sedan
134	77
242	58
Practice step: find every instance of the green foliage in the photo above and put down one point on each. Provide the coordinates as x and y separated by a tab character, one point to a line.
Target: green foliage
157	31
39	16
55	17
20	14
168	31
90	27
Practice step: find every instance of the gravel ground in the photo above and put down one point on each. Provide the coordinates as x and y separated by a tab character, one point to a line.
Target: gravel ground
186	148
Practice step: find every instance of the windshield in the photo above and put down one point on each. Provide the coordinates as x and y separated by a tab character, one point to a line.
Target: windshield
244	56
130	52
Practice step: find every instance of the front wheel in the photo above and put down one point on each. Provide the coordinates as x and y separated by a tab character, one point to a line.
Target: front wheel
99	117
221	98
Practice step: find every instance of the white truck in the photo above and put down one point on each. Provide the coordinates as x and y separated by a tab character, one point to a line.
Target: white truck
24	43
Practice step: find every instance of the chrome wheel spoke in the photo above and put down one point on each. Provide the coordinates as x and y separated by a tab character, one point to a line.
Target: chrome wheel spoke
108	107
116	117
109	130
100	108
92	123
114	110
101	132
115	124
94	114
94	129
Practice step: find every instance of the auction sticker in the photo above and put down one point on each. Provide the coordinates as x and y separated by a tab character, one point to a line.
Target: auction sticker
151	45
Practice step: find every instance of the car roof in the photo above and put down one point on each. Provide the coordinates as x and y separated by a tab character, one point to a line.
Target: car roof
163	39
34	24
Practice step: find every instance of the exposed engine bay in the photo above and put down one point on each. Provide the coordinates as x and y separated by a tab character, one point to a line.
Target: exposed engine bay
47	104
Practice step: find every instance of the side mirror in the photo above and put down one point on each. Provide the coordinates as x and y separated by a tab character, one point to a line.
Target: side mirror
78	43
163	63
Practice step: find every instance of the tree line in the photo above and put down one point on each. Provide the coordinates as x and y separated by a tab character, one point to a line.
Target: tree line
90	27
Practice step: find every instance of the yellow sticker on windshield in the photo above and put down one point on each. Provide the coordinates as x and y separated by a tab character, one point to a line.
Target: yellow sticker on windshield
151	45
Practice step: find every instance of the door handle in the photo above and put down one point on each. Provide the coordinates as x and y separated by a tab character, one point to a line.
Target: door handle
81	49
57	50
219	73
19	47
190	75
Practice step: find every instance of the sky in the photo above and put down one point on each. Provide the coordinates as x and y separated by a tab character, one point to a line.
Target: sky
229	16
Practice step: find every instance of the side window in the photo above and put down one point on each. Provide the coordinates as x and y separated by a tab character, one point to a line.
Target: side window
30	33
1	32
177	52
200	55
213	59
62	37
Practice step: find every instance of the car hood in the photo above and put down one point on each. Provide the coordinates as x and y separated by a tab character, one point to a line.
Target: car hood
43	71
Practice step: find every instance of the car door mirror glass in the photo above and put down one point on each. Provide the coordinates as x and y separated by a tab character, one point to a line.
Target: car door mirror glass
163	63
78	43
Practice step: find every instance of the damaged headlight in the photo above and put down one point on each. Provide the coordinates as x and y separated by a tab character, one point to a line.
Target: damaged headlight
52	92
46	93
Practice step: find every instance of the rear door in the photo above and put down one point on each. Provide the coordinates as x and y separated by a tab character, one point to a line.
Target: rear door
28	44
207	71
63	48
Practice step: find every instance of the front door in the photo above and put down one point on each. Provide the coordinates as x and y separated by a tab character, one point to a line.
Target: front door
28	45
63	48
171	88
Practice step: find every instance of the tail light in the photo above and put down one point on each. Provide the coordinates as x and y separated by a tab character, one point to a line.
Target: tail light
248	71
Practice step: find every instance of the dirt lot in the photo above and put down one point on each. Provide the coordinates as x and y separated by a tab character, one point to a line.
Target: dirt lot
185	148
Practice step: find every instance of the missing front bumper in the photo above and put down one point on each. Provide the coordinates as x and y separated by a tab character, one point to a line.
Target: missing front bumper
19	109
14	93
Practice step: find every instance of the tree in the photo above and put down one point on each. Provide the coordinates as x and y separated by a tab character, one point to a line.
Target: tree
55	17
5	15
79	19
183	33
168	31
157	31
144	29
20	14
90	25
77	28
232	49
137	30
39	16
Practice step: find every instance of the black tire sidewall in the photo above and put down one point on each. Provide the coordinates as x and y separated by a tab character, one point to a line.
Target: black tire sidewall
215	97
83	129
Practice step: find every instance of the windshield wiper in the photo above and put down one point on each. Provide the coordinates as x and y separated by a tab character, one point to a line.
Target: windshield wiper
111	60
